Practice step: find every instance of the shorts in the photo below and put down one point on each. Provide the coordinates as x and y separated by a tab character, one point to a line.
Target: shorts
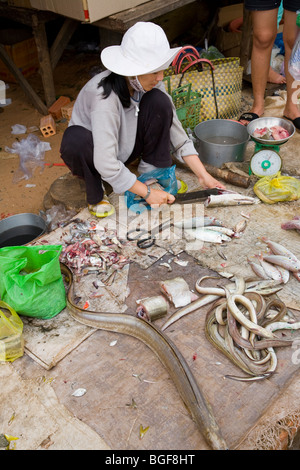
264	5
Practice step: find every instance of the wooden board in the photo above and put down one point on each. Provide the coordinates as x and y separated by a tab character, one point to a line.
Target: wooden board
146	12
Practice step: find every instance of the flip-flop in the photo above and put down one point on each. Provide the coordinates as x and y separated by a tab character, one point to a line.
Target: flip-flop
248	117
183	187
296	121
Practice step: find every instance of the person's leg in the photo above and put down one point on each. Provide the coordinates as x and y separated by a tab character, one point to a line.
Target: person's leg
289	36
275	77
77	153
153	131
264	34
153	134
77	150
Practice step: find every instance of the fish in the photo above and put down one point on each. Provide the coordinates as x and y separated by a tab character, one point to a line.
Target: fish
284	261
229	198
205	300
195	222
169	355
285	274
262	133
258	269
263	286
278	249
271	271
293	224
224	230
232	300
207	235
279	133
177	291
275	326
152	308
211	295
240	227
272	133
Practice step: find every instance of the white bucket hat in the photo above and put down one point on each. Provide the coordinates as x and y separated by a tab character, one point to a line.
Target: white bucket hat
144	49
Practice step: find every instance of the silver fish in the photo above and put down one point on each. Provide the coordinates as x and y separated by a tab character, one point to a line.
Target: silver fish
230	198
207	235
195	222
278	249
258	270
284	261
271	271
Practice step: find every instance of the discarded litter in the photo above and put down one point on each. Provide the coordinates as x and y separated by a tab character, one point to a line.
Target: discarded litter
31	152
79	392
5	102
143	431
18	129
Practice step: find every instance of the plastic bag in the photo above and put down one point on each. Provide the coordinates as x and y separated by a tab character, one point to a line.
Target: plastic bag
31	281
31	152
11	338
165	177
277	188
18	129
294	62
57	216
211	53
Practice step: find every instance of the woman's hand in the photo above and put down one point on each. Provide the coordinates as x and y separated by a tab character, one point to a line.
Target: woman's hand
207	181
157	197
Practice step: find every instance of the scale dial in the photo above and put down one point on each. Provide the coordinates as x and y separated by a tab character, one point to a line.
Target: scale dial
265	162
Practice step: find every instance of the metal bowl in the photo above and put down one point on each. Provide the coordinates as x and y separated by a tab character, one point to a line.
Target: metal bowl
269	122
20	229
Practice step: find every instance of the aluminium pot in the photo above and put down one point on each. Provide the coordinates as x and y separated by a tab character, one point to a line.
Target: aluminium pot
220	141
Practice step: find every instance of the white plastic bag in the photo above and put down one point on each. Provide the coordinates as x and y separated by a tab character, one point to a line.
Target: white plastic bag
18	129
31	152
294	62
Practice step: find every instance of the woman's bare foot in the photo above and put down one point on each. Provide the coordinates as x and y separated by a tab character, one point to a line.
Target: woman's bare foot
275	77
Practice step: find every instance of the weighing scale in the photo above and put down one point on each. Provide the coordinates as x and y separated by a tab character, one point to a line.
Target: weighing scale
266	160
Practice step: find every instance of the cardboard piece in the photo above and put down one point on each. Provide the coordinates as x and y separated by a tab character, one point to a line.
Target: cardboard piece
24	55
85	10
228	42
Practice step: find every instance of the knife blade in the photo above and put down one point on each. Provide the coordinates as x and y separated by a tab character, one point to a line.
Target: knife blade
196	195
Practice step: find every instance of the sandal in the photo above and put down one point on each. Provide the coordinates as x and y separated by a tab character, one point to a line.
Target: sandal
295	121
102	209
248	117
182	188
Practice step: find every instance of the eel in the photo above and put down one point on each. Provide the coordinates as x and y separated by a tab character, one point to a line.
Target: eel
169	355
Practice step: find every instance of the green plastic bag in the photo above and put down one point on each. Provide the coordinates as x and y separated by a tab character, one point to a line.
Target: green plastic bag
31	281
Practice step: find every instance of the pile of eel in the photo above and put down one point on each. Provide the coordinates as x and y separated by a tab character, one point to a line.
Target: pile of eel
241	323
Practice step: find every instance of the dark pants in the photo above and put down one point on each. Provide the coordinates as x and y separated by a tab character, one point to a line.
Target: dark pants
152	143
264	5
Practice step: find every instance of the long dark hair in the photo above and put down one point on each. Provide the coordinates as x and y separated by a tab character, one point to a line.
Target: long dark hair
118	84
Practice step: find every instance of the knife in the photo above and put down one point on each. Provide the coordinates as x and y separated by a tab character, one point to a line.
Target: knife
196	195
